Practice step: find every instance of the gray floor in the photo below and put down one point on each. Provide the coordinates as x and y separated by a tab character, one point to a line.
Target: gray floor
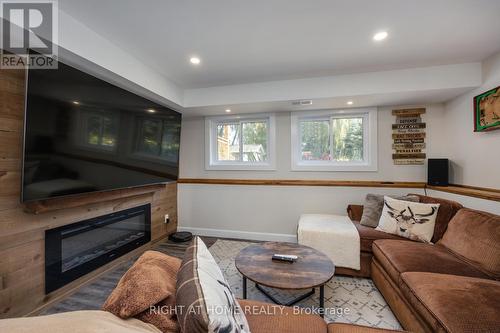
93	295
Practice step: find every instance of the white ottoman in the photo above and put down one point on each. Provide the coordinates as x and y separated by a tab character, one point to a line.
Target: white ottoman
334	235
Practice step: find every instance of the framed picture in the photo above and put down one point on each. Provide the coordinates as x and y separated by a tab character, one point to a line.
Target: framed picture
487	111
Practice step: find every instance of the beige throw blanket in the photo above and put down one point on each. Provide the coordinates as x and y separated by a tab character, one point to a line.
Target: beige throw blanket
334	235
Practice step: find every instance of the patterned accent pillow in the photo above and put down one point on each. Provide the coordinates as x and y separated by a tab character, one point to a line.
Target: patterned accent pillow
205	302
372	208
411	220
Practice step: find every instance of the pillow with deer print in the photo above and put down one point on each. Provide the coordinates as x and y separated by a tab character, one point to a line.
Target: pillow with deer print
412	220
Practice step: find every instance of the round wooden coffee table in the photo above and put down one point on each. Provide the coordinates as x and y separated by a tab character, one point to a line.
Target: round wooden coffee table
311	270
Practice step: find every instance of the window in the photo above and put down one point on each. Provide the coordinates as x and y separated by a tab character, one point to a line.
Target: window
158	138
99	130
240	142
334	140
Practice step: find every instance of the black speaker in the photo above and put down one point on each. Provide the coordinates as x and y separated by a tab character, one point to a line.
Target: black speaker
437	171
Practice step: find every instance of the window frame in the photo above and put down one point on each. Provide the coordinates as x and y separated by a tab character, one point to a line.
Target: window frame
211	158
370	154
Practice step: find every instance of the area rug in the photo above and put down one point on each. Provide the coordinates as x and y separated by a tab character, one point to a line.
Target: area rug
348	300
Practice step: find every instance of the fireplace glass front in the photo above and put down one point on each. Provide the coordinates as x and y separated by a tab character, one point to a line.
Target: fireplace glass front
77	249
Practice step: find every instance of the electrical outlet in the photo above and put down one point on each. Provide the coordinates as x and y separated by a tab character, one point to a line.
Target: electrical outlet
167	219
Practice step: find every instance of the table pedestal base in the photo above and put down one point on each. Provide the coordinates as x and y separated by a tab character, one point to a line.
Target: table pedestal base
276	301
292	302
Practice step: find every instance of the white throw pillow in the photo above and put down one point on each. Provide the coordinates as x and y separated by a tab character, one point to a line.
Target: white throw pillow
224	312
411	220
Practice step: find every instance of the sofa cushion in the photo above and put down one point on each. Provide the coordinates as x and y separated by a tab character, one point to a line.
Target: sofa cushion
397	257
267	318
351	328
447	209
204	299
372	208
451	303
367	235
475	235
355	212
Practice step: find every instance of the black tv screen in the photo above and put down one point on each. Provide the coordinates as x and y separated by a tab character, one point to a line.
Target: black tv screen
83	134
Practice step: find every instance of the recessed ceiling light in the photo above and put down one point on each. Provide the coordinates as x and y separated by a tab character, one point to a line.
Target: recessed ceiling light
228	110
381	35
195	60
151	110
350	102
76	102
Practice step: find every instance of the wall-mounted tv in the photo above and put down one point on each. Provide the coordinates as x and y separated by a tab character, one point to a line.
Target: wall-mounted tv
83	134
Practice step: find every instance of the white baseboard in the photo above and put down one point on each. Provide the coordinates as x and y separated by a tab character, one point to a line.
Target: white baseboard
237	234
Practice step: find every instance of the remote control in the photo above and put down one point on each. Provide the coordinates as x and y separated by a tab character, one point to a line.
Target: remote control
285	257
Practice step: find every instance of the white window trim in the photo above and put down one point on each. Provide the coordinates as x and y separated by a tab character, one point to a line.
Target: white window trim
370	153
211	162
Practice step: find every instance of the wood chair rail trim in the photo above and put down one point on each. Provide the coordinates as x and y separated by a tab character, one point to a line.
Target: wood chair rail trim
301	182
466	190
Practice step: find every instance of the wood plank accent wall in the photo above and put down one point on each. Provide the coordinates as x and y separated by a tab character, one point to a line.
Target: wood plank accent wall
22	233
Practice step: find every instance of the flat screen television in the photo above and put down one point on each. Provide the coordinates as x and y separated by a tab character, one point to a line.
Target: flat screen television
83	134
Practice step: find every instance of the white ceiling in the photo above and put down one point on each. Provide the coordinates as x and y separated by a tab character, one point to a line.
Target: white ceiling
262	40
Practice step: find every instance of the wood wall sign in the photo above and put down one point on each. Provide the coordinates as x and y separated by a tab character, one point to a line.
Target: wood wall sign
408	135
487	111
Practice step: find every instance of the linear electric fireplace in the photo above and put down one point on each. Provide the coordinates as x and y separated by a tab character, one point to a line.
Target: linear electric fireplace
77	249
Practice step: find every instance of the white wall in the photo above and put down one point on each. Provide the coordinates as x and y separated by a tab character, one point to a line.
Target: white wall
469	202
192	163
475	156
262	212
272	212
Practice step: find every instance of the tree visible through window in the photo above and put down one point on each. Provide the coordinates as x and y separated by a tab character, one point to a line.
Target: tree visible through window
244	141
315	136
347	139
337	139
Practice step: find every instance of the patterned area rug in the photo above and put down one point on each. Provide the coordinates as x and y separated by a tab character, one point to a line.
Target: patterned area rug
348	300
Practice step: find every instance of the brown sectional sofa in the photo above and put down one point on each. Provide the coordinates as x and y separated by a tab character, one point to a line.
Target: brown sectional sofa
368	235
285	320
450	286
105	322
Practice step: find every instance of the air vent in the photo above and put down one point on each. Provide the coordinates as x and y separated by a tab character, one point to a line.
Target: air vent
303	102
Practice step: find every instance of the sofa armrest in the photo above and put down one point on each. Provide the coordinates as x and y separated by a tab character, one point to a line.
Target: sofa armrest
355	212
